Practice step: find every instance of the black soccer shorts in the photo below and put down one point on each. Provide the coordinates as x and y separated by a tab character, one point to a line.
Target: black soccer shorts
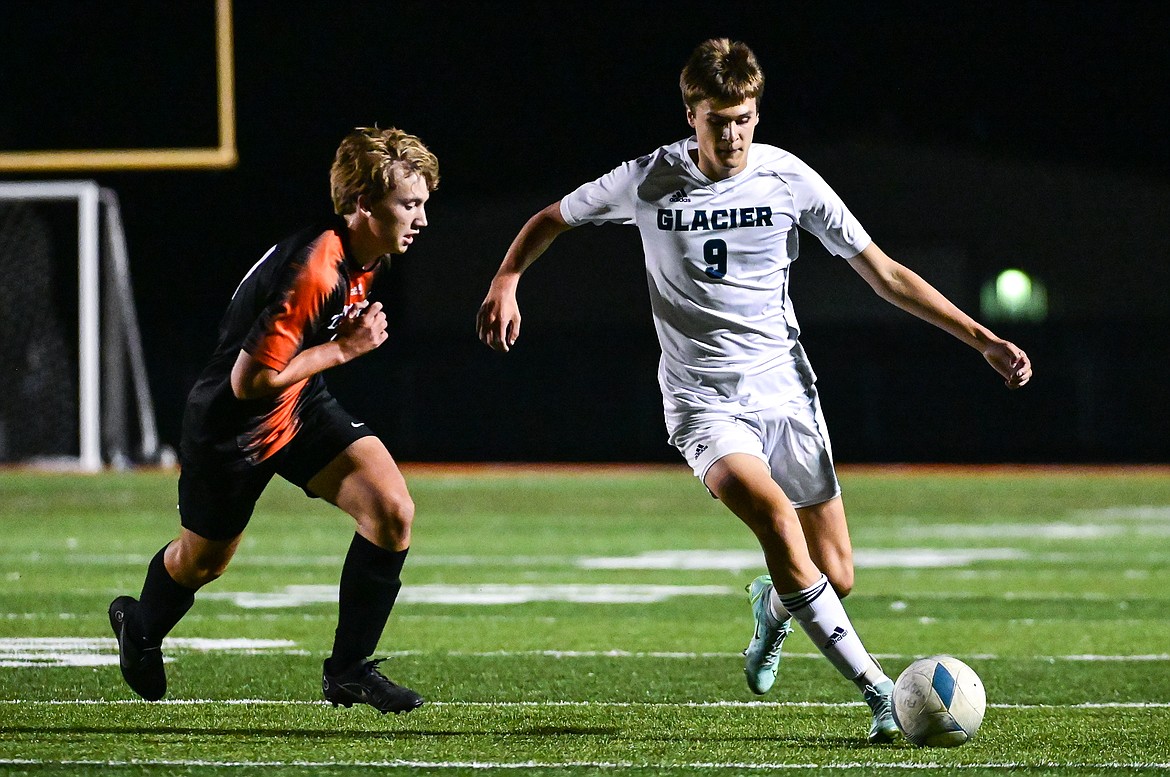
217	494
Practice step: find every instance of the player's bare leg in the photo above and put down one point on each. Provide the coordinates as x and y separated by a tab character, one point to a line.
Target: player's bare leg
193	561
365	482
799	589
745	485
827	534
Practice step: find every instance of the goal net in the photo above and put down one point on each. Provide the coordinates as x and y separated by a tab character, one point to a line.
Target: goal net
74	391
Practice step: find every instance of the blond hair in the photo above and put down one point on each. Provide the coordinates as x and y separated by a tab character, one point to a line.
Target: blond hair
723	71
370	160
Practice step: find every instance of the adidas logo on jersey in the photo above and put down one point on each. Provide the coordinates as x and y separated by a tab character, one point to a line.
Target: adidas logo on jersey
699	450
680	196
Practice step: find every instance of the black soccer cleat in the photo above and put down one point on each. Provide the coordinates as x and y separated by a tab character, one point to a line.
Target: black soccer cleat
141	663
364	684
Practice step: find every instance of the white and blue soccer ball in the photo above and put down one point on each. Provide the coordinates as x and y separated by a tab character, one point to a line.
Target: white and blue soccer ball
939	702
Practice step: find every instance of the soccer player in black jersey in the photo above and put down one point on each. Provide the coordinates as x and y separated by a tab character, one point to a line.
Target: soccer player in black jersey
261	408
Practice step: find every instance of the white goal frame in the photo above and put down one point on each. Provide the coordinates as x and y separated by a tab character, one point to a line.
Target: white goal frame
94	202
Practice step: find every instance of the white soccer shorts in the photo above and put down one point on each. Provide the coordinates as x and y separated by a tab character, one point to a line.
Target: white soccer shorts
792	439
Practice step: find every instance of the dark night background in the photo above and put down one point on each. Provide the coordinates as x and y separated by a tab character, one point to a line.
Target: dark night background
967	137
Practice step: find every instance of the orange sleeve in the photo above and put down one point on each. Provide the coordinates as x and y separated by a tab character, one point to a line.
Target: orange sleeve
280	331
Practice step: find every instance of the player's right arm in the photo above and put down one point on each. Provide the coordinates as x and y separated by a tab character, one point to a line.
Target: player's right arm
362	330
498	320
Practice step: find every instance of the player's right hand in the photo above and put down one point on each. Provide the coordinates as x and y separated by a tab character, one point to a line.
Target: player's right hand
498	320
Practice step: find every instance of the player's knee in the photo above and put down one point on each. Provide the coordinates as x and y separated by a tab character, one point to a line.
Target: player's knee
194	562
771	525
842	584
391	520
840	576
209	572
399	510
197	569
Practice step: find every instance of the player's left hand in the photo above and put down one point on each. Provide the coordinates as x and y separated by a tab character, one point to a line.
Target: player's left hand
1010	361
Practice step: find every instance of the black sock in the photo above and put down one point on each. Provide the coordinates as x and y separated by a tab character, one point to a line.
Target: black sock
163	602
370	581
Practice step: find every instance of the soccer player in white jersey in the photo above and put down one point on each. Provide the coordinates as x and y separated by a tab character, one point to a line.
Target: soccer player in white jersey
718	215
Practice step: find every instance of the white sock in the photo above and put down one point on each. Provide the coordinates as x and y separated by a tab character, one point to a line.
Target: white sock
819	612
778	610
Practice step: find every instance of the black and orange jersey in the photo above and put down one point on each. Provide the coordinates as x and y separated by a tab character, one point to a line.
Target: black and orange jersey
292	299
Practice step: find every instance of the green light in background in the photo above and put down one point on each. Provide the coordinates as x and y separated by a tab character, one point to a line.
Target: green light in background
1013	295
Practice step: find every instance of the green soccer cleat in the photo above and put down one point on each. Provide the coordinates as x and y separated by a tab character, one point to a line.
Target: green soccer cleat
763	652
880	699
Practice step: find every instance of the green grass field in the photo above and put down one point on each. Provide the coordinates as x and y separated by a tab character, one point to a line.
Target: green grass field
590	621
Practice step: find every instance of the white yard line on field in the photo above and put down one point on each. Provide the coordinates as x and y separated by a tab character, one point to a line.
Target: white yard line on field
740	560
722	704
675	654
859	766
733	560
480	594
102	651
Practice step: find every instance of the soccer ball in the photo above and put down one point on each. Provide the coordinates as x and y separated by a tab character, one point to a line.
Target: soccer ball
939	702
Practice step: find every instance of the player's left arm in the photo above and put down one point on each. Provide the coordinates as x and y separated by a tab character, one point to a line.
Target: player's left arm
904	288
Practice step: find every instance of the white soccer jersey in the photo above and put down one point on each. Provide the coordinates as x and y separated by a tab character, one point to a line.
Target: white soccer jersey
717	259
